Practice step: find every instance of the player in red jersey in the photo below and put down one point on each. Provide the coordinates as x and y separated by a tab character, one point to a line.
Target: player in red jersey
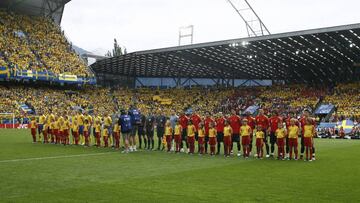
220	124
274	121
235	123
263	121
303	119
196	119
183	121
290	117
207	122
251	123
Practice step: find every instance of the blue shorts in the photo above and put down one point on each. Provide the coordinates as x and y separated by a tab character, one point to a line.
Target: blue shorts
40	128
109	130
81	130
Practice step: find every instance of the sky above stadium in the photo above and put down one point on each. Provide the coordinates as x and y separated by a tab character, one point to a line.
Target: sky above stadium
149	24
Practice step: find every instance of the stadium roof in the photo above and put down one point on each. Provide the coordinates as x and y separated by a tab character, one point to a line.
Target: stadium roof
318	55
50	8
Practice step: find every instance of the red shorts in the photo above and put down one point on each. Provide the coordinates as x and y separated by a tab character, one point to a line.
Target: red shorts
61	133
33	131
307	142
97	134
66	133
227	140
280	142
116	134
293	142
177	138
259	142
191	139
86	133
168	138
201	140
245	140
212	140
56	132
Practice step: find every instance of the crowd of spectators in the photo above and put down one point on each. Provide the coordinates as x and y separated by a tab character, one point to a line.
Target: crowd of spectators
197	99
38	44
284	99
291	98
47	99
346	98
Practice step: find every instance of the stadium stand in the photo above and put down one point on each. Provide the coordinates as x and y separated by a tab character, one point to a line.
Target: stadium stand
285	99
346	98
291	98
199	99
38	44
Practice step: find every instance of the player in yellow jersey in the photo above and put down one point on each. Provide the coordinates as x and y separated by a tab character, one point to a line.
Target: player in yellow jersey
293	132
280	134
45	133
191	137
116	132
73	119
61	129
201	138
42	120
177	136
33	127
96	119
86	132
309	132
260	135
97	133
107	124
80	121
50	122
212	138
75	131
66	129
90	120
55	126
168	135
105	134
245	133
227	138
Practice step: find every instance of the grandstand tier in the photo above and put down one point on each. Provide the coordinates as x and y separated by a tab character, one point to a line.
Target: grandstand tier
33	46
25	101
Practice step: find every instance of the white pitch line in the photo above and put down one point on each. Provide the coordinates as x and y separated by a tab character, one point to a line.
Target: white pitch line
54	157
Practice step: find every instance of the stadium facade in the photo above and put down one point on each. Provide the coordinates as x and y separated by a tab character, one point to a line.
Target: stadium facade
326	55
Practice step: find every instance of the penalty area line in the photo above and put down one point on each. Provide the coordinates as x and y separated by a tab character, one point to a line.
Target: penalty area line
54	157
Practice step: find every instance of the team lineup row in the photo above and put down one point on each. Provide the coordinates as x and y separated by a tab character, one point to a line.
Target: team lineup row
174	131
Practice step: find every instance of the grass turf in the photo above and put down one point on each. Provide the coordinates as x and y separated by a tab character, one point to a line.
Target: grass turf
161	177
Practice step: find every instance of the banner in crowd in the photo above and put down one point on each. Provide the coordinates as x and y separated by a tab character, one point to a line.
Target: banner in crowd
347	125
324	109
46	76
4	72
68	78
252	109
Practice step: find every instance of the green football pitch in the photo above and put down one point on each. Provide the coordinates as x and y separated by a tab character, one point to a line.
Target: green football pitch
52	173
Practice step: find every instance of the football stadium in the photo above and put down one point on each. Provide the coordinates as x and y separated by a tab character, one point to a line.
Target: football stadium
260	118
